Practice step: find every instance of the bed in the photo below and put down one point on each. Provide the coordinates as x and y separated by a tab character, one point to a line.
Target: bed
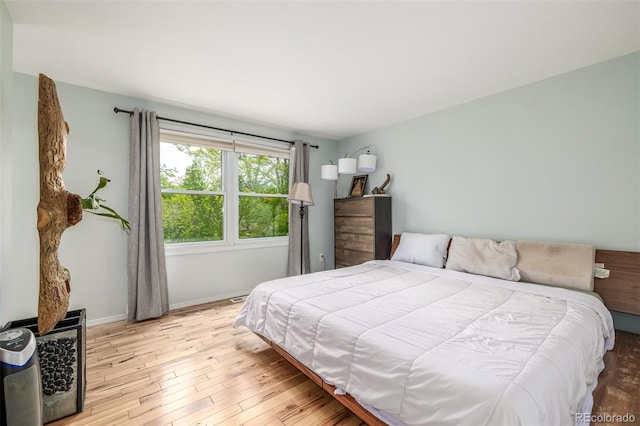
404	343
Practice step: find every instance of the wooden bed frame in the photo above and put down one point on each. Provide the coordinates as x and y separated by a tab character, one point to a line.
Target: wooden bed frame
347	400
621	291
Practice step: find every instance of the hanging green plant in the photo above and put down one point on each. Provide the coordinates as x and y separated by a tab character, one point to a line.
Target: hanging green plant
93	204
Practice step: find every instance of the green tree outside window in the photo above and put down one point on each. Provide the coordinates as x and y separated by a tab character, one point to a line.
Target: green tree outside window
193	195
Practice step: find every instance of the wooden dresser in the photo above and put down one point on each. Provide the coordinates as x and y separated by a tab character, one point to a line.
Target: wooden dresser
362	227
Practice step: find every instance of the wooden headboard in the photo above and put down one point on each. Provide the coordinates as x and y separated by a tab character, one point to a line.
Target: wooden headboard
394	244
621	291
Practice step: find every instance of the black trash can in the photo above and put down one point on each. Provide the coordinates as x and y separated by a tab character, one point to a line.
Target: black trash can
21	388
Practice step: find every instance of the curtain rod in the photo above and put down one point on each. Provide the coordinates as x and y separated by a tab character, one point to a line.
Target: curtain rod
117	110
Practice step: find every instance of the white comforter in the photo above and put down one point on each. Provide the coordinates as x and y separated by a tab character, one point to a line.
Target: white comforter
432	346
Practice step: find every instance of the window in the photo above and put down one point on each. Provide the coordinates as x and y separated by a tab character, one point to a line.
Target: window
192	193
218	190
263	184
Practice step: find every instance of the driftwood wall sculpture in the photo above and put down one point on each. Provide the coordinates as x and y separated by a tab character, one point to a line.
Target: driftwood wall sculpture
58	209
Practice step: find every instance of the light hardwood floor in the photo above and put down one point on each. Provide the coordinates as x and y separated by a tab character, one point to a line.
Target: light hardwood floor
192	368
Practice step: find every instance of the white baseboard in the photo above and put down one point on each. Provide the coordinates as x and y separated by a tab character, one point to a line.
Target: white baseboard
106	320
217	298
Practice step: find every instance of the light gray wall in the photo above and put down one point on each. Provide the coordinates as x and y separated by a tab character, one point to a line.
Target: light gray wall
6	87
527	163
557	160
95	249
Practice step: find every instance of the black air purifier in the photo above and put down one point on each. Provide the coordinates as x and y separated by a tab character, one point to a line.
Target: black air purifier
21	388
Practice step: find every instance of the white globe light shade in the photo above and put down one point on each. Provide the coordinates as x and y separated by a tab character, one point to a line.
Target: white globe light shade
347	166
367	163
329	172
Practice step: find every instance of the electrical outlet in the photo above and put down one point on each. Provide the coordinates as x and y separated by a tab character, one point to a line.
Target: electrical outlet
321	257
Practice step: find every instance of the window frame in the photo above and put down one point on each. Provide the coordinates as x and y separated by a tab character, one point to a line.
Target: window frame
230	192
239	194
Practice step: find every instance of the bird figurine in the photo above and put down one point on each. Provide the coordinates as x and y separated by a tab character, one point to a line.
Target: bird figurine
379	190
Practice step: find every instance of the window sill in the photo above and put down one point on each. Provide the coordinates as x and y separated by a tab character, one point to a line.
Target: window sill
181	249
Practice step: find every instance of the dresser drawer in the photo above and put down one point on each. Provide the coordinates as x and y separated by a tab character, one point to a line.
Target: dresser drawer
346	257
354	207
354	225
360	242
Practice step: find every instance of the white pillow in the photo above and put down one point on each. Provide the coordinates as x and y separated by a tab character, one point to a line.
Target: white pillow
484	257
422	249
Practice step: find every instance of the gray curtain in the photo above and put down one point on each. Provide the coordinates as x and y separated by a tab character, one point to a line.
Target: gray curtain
300	166
146	270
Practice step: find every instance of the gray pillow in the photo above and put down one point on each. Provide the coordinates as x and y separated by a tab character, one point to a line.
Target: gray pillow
484	257
557	264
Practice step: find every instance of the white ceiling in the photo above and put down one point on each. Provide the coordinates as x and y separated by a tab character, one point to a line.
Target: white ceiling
324	68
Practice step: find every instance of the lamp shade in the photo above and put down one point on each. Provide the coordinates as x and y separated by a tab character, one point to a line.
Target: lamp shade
347	166
367	163
329	172
300	194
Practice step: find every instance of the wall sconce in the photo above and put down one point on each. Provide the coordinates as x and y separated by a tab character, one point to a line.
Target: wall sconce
348	165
